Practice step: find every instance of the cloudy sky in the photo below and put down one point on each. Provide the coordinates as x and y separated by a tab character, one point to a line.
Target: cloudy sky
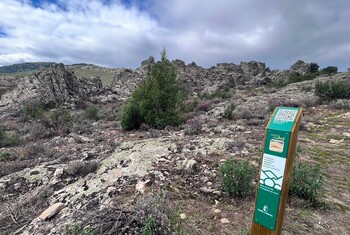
122	33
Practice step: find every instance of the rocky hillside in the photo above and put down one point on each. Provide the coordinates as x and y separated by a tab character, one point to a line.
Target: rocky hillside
62	149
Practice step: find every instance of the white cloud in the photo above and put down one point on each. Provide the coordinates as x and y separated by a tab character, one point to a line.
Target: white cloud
204	31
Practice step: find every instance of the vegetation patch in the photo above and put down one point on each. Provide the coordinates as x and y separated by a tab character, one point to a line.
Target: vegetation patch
333	90
237	178
307	181
157	100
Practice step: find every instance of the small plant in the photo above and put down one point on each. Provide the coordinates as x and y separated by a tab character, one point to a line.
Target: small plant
76	230
307	181
81	168
194	126
92	113
237	178
6	156
32	110
58	121
332	90
220	93
8	139
149	228
203	106
228	111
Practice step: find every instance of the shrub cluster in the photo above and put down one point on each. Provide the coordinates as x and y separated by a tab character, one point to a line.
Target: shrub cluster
58	121
157	100
332	90
220	93
307	181
228	111
8	139
194	126
237	177
329	70
92	113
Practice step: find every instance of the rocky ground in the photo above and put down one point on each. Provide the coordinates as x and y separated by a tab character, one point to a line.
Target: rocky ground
101	177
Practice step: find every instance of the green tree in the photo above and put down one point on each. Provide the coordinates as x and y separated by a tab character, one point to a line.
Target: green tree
314	68
157	100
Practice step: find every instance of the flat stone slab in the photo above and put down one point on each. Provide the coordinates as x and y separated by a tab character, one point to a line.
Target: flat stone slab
51	211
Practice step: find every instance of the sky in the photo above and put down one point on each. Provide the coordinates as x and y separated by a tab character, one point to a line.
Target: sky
122	33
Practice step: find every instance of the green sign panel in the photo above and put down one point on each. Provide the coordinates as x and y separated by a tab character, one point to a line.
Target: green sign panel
272	170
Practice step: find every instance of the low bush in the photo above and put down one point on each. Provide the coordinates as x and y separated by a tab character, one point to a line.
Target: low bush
340	104
307	181
32	110
194	126
9	139
237	178
203	106
220	93
228	111
297	77
131	117
92	113
82	169
59	121
332	90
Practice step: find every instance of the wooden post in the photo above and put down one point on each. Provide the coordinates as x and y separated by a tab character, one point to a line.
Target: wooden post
275	172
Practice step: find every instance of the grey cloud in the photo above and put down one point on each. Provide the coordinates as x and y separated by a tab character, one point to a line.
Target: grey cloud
204	31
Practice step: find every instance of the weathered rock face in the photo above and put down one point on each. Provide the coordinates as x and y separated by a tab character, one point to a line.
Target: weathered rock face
246	74
301	67
56	85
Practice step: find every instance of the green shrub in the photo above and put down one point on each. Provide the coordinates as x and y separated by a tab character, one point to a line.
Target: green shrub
228	111
297	77
157	100
131	117
59	121
149	228
307	181
92	113
32	110
220	93
77	230
332	90
237	177
329	70
8	139
314	68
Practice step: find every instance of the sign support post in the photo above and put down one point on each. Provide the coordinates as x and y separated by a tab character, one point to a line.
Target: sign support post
274	178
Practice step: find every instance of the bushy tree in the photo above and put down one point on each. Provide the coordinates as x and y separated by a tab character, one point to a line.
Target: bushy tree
314	67
157	100
330	70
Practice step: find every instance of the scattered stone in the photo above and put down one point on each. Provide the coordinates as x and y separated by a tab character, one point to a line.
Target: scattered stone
183	216
224	221
51	211
58	172
216	211
141	186
334	141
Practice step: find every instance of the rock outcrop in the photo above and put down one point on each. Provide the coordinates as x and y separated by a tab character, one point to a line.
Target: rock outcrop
197	78
54	85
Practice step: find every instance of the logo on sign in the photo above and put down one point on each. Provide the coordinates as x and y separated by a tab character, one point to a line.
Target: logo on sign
265	208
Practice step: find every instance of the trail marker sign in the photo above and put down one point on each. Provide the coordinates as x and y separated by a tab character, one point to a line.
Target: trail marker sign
275	172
